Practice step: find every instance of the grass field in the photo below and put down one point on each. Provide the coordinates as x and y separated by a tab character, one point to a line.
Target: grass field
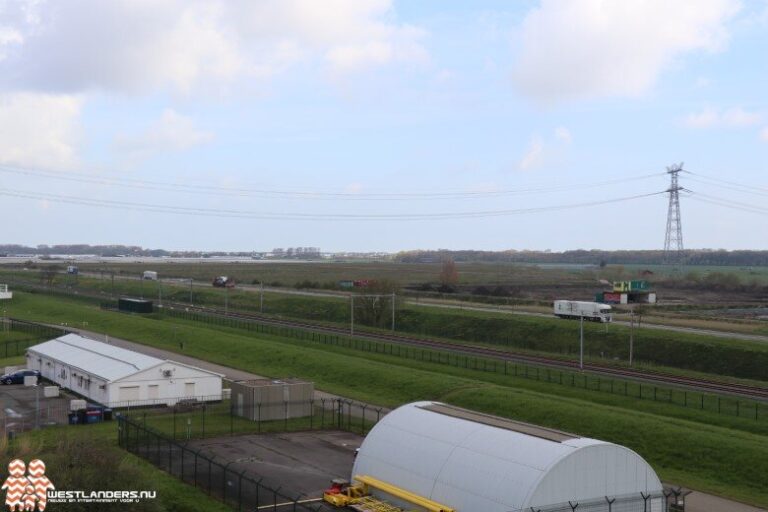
705	354
54	444
720	454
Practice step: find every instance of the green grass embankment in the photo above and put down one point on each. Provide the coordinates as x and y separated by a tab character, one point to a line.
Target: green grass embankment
729	357
718	454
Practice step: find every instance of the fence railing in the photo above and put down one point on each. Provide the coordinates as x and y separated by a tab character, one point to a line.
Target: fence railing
713	403
23	335
202	419
666	501
237	488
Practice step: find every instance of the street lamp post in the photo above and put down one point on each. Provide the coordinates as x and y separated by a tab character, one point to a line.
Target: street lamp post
631	334
352	314
393	311
581	342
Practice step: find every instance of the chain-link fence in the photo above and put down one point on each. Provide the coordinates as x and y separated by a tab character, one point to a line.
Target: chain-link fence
666	501
198	418
713	403
234	487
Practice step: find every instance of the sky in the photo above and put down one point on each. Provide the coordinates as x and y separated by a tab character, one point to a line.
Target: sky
382	125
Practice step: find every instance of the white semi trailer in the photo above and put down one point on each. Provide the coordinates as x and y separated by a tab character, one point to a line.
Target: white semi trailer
593	311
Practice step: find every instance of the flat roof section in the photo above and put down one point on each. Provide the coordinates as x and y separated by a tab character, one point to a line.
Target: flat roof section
549	434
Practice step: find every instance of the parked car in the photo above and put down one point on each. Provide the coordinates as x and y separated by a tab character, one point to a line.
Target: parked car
224	282
17	377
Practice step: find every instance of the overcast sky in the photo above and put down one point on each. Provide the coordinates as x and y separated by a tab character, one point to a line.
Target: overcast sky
336	111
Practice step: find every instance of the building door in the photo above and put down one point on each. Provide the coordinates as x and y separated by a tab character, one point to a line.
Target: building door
153	391
189	389
128	393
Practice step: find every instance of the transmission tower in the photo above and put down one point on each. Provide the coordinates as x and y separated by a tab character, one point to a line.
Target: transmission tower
673	241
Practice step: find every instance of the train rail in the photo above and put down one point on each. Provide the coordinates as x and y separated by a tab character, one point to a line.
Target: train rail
657	377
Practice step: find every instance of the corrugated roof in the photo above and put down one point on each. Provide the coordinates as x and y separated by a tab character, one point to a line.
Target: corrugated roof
470	461
494	421
97	358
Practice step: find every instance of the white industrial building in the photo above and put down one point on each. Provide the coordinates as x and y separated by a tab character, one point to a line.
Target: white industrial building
5	294
471	461
117	377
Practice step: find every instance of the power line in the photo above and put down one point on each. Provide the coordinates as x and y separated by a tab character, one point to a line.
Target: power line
728	203
212	189
730	185
246	214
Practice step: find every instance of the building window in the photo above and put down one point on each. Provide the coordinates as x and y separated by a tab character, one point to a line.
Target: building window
80	381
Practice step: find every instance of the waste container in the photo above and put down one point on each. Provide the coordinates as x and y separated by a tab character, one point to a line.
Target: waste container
107	414
72	418
93	416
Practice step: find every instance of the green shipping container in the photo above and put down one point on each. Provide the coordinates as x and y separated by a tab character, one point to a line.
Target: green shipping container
134	305
599	297
638	285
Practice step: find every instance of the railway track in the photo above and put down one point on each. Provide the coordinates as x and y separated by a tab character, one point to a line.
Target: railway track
752	392
657	377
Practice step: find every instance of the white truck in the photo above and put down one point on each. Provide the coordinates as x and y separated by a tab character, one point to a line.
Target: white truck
593	311
150	275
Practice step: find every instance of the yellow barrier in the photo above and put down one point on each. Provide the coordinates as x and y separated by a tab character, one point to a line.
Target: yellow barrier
397	492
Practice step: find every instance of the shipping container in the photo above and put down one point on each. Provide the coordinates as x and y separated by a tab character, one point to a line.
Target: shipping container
149	275
592	311
134	305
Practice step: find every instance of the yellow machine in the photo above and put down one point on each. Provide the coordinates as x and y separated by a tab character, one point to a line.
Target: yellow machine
358	496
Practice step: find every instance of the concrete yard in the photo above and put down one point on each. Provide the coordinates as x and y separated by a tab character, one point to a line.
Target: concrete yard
18	408
299	462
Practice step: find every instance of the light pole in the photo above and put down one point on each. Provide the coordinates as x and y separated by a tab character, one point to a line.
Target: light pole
160	292
581	342
261	296
393	311
190	291
226	299
631	333
352	314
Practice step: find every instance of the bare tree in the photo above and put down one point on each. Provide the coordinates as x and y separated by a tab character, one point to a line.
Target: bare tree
374	306
449	274
48	274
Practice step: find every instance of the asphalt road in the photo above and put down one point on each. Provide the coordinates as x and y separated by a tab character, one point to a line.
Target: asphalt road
691	330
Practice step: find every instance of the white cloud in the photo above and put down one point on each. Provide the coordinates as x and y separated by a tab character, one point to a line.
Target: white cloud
181	45
735	117
533	156
40	130
738	117
171	132
705	119
563	134
764	134
540	152
588	48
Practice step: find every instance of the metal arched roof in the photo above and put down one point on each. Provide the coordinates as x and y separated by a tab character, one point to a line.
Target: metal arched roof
472	462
